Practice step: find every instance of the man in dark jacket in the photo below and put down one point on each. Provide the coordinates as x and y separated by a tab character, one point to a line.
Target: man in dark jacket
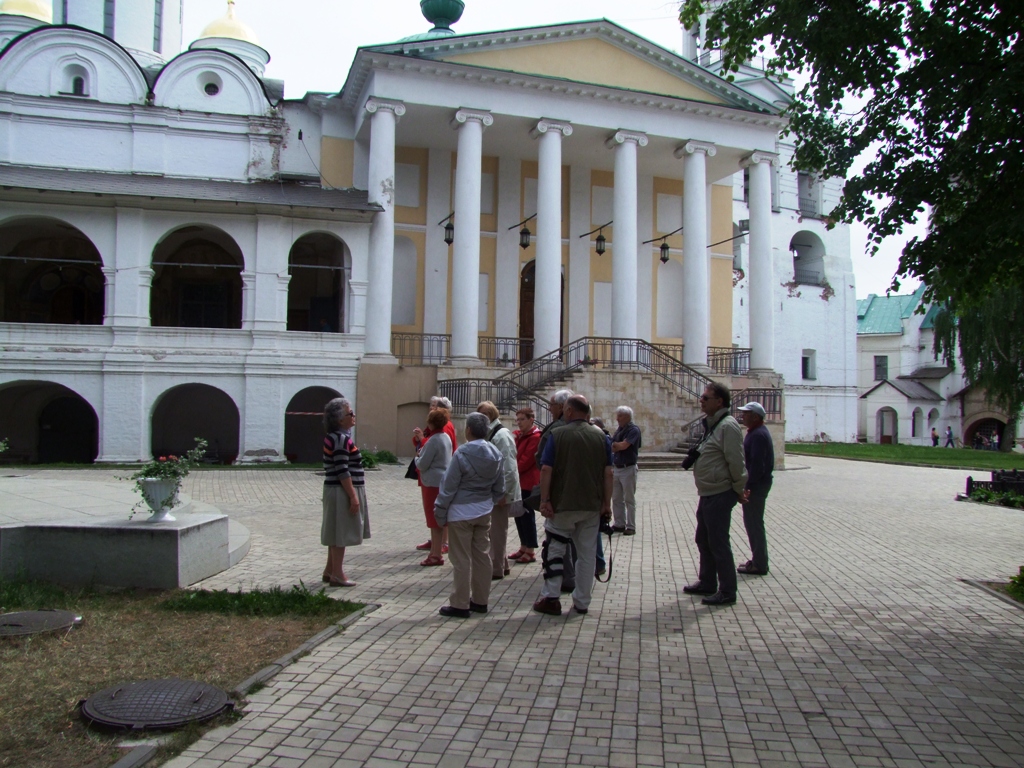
759	459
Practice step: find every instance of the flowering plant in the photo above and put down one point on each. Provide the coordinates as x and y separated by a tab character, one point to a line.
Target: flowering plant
168	468
3	445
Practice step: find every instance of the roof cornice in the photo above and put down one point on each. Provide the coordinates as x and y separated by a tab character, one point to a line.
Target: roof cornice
428	50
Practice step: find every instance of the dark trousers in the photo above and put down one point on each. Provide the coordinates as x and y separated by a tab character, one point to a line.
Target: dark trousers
753	521
714	517
526	525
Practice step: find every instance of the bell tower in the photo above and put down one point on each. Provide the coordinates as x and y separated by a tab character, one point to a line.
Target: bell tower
150	29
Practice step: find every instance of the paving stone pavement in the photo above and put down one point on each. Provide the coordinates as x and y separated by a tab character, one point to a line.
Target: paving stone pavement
861	648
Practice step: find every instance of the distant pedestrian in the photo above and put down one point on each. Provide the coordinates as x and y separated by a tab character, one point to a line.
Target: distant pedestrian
472	485
346	519
501	438
949	438
527	438
576	493
759	459
935	438
720	477
626	444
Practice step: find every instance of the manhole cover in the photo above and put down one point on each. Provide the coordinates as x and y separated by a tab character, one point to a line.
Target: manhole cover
34	622
155	704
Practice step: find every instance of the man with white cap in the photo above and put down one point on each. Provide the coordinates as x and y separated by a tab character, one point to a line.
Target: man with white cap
759	458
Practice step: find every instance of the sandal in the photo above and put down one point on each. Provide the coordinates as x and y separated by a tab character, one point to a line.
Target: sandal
517	554
432	560
424	545
526	557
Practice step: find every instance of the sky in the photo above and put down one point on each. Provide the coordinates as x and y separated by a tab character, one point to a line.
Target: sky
312	44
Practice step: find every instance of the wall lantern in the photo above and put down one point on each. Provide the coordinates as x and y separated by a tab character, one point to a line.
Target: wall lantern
449	228
664	244
524	234
600	244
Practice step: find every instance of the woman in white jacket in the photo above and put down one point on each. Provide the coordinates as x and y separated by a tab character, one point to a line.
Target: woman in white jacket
434	455
501	438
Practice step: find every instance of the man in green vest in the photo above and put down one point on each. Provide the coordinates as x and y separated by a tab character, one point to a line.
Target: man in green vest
575	494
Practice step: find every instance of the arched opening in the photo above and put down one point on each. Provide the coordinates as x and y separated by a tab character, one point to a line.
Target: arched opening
188	411
303	425
527	293
318	264
197	280
49	273
933	419
808	258
47	423
887	426
984	434
917	423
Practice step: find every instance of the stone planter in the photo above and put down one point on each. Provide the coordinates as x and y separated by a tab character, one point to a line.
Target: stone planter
160	495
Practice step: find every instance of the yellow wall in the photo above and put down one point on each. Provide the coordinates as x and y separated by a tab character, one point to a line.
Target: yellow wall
587	61
336	162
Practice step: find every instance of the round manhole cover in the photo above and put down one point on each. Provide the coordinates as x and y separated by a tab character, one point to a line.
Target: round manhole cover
34	622
155	704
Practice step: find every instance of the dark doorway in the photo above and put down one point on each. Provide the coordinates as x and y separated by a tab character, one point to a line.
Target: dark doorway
196	410
986	434
197	280
303	425
316	291
67	432
527	292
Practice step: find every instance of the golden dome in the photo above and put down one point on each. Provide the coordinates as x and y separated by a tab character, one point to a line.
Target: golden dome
227	26
35	9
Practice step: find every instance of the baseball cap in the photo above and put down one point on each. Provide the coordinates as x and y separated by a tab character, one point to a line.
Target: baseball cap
754	408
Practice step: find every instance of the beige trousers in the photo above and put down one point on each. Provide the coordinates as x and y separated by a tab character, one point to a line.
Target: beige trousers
499	540
469	554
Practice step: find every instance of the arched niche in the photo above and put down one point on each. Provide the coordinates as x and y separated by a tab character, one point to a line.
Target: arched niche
303	424
188	411
887	426
808	254
47	423
50	272
318	264
197	279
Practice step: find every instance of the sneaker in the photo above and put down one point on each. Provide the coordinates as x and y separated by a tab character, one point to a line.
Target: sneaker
454	613
549	605
424	545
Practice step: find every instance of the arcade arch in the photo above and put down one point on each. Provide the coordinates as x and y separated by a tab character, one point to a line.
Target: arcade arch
50	272
808	258
47	423
318	264
303	425
197	279
188	411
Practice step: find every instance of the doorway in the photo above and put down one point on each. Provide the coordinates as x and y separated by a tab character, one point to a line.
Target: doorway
527	292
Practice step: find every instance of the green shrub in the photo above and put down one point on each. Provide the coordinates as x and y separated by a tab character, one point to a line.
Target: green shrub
1006	498
297	601
386	457
369	459
1016	585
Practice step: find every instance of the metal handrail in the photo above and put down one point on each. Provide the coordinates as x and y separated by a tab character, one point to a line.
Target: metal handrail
672	350
466	394
770	399
503	350
730	361
421	348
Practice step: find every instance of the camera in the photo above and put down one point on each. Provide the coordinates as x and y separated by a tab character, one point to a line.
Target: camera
691	458
606	527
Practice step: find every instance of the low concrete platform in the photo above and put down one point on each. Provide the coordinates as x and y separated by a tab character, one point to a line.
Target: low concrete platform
80	534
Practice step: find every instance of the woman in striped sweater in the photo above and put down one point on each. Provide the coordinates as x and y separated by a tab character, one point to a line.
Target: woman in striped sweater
346	520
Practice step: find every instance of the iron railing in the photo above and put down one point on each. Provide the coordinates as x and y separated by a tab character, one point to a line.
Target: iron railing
807	276
508	397
1002	481
421	348
770	400
672	350
729	361
504	351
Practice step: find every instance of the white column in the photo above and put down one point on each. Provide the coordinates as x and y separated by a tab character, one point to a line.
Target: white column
547	310
624	243
696	269
381	186
762	281
466	254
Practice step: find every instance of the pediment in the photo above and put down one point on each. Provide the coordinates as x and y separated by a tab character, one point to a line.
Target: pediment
589	60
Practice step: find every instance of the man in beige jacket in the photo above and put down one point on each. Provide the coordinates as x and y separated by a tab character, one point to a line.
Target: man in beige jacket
720	476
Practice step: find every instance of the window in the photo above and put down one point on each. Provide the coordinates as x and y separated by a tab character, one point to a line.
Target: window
74	80
204	305
881	367
807	192
807	365
746	184
210	83
158	24
108	18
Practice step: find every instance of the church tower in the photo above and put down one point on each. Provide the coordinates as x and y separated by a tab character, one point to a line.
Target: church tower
150	29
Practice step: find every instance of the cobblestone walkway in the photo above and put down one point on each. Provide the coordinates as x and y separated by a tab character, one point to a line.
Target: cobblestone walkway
861	648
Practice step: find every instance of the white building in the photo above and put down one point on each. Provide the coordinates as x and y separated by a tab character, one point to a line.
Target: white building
905	390
182	252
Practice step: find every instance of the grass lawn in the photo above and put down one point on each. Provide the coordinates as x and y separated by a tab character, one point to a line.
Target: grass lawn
217	638
954	458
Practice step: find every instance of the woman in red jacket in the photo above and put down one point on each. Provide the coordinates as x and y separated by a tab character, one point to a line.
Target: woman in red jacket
527	439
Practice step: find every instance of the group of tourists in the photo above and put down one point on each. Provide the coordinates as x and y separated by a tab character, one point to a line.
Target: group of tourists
577	475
